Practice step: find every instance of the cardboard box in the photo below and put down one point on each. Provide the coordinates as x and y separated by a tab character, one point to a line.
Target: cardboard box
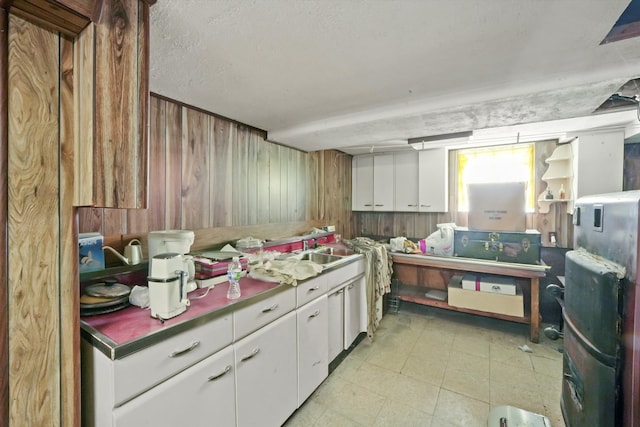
489	283
511	305
497	206
90	252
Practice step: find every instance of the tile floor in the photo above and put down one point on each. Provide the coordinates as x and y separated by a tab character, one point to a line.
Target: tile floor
434	368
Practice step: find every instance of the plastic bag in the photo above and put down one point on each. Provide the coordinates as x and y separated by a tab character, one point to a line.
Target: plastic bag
439	242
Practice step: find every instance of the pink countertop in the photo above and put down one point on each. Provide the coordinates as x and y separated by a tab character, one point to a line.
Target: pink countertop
120	329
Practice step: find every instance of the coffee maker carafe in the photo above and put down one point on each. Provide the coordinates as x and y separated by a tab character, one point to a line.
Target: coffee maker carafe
167	286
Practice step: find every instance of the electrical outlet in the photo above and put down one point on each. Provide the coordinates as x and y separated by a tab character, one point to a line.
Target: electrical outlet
552	237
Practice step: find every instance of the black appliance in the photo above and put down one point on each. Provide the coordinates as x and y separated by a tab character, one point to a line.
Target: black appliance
601	367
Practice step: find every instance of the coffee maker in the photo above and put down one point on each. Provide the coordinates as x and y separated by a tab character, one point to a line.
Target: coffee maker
178	241
167	286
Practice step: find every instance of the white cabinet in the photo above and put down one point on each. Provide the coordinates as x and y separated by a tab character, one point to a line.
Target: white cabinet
421	181
335	300
598	160
266	374
313	339
433	180
355	313
372	182
203	395
347	315
406	182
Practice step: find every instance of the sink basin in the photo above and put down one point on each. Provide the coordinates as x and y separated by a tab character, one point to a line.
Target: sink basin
320	258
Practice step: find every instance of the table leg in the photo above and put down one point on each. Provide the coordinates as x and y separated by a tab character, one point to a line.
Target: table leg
535	310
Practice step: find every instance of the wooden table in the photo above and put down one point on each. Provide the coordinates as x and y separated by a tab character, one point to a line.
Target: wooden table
417	272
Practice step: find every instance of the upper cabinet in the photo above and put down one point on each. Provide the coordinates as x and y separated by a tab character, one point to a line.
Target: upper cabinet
421	181
111	98
373	182
590	164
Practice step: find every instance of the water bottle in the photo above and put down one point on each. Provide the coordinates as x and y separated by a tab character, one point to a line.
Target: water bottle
234	270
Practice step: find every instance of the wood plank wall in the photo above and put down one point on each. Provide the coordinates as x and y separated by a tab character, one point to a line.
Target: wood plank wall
34	228
4	264
420	225
207	172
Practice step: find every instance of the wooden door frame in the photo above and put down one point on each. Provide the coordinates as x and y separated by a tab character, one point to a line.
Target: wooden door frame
4	129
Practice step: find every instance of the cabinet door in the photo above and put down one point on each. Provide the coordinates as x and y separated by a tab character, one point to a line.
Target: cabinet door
383	182
362	185
336	323
354	311
313	341
266	374
433	179
203	395
406	182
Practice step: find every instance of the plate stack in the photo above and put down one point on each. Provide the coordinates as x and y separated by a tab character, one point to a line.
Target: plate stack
101	298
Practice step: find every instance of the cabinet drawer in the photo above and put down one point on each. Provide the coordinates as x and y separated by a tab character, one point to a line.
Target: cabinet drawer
255	316
311	289
344	274
146	368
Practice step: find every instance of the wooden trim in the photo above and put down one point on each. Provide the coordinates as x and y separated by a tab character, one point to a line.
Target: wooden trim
4	119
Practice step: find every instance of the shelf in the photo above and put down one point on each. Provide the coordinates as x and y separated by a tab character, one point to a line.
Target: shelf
415	294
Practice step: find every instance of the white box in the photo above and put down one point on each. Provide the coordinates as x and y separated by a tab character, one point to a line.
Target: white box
510	305
497	206
489	283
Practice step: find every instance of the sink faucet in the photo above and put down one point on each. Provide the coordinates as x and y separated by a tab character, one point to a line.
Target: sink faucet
305	244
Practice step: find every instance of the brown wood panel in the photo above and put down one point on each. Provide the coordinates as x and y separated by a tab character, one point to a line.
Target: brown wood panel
262	176
114	221
315	182
4	250
275	184
69	281
117	148
195	170
83	81
90	220
251	173
292	181
302	178
223	134
33	233
216	236
157	166
173	165
240	151
58	16
142	163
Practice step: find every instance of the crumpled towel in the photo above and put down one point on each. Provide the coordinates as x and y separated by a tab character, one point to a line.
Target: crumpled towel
287	271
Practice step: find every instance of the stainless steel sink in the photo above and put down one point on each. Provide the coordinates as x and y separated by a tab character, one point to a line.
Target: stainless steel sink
320	258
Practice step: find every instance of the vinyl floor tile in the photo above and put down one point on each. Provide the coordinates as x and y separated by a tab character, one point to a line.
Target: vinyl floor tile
428	367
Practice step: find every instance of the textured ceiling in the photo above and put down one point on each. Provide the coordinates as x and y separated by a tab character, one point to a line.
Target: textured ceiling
352	73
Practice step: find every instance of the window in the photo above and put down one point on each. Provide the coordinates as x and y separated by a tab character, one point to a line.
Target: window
504	163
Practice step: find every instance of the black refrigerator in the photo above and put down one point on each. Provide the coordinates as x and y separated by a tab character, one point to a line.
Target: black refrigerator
601	367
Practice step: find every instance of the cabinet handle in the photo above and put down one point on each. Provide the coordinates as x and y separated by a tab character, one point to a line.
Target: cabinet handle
249	356
268	309
413	206
379	205
315	314
315	288
185	350
215	377
351	286
425	206
338	292
368	204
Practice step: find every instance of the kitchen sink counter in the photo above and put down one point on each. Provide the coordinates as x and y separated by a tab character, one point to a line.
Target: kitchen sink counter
129	330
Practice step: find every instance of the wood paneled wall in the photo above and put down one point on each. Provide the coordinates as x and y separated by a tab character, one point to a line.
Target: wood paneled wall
4	249
420	225
209	172
42	288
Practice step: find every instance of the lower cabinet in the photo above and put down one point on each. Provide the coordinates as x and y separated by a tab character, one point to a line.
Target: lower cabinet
313	338
355	313
202	395
347	315
335	300
266	374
